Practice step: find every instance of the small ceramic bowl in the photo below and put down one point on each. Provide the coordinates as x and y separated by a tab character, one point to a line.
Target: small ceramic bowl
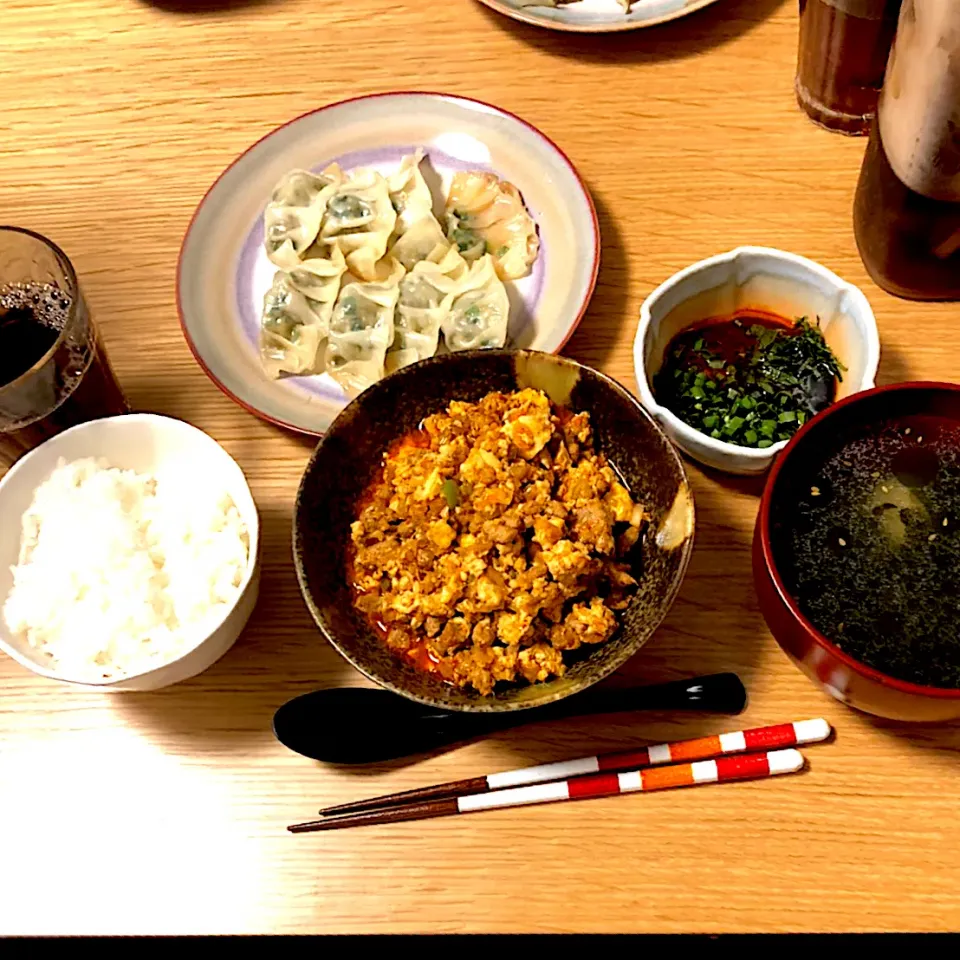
764	279
830	668
148	444
351	452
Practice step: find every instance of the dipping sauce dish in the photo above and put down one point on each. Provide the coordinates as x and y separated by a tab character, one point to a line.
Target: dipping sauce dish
762	281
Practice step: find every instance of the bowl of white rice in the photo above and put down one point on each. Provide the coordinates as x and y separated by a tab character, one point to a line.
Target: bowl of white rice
129	554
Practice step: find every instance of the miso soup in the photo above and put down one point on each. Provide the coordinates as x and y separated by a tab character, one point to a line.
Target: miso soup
868	543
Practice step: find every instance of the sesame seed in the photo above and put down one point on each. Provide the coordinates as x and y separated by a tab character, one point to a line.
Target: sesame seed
946	522
814	491
841	541
906	432
847	463
884	488
932	537
875	475
919	439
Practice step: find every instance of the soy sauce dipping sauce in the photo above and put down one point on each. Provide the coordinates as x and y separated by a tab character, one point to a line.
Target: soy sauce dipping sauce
869	545
752	379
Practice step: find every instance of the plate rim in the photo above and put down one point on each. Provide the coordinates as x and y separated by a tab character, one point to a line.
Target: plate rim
516	13
305	431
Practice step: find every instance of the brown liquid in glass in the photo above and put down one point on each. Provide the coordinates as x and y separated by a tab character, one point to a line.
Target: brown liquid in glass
83	393
842	60
909	243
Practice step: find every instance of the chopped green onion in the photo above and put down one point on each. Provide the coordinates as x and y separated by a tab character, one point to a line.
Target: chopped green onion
755	388
451	493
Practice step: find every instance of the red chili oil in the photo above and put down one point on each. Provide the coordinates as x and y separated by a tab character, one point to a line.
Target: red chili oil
728	337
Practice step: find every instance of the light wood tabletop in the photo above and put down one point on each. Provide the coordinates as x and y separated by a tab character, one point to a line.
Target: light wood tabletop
166	812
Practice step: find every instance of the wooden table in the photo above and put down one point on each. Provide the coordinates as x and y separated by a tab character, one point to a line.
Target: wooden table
165	812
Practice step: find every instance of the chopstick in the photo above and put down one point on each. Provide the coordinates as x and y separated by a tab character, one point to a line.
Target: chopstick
751	766
704	748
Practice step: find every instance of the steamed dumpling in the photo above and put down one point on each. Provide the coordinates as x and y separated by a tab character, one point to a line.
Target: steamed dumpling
362	328
426	295
292	327
318	275
479	311
360	218
293	216
419	242
409	193
487	215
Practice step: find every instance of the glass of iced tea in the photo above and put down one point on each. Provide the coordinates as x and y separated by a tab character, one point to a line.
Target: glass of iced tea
54	372
844	46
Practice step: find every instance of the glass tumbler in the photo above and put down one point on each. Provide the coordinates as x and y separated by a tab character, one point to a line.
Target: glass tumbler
842	58
54	372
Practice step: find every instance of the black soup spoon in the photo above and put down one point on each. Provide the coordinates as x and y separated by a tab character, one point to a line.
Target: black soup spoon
360	725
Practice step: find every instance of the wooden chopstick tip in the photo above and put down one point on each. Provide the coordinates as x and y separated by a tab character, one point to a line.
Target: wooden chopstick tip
308	827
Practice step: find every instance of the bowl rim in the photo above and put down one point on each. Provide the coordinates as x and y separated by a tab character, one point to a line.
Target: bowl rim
766	544
720	448
346	101
520	14
490	705
253	558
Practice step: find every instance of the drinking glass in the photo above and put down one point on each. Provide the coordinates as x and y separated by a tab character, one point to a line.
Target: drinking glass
45	391
843	52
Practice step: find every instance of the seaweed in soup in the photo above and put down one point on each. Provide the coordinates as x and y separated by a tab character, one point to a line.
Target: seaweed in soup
870	548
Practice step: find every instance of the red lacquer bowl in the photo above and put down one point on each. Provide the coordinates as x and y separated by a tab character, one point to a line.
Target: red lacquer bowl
823	662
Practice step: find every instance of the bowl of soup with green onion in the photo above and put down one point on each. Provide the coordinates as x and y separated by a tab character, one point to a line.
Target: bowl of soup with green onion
857	551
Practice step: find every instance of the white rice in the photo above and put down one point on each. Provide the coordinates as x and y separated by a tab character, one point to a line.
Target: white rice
121	572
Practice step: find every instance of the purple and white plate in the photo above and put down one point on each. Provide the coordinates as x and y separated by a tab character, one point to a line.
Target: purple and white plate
596	16
224	272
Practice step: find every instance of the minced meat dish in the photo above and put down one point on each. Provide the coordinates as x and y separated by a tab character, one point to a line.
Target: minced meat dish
493	541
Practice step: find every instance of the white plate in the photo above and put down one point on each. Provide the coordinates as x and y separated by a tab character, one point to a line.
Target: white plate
224	272
598	16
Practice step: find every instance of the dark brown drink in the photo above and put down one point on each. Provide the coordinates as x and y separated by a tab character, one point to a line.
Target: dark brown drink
54	373
842	58
909	243
907	207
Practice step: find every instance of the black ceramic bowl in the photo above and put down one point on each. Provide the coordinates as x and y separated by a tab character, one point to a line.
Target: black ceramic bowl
349	455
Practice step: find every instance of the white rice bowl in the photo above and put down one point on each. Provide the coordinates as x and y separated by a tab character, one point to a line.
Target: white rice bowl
164	568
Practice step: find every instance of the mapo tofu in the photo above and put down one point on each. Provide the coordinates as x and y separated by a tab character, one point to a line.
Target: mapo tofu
495	541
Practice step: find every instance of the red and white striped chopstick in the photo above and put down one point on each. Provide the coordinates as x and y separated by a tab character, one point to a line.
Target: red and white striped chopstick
703	748
750	766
